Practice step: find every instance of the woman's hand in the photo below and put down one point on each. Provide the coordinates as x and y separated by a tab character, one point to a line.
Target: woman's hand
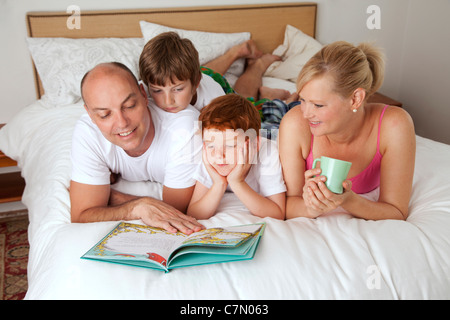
318	198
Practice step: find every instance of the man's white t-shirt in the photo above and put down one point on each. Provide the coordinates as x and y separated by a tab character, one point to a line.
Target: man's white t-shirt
265	176
207	90
172	158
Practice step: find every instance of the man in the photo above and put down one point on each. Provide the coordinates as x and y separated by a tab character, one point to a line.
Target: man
121	134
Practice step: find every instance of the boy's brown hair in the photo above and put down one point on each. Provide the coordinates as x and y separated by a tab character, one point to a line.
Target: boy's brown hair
167	57
230	111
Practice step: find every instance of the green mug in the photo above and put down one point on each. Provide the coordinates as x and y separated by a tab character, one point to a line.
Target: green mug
335	170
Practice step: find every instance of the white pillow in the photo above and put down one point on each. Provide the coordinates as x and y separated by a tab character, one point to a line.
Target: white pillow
295	51
62	62
209	45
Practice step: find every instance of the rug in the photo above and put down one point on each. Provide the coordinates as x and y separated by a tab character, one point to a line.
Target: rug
14	248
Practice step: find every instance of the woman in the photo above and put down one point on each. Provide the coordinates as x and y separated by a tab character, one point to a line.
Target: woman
335	120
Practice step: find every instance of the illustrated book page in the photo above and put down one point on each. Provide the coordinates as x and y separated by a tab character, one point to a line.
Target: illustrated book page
151	247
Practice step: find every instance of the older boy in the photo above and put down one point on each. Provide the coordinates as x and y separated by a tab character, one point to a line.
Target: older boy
169	66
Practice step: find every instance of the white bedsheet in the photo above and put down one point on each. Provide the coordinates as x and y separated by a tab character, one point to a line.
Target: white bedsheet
332	257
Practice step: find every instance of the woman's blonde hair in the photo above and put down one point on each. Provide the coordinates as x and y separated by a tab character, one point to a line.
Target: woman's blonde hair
351	67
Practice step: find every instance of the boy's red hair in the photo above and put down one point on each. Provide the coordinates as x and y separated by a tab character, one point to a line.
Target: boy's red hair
230	111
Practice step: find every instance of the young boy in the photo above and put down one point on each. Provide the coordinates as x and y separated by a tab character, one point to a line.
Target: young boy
169	66
236	157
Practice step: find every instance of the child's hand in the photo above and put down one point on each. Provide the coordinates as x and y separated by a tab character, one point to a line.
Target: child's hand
215	176
245	159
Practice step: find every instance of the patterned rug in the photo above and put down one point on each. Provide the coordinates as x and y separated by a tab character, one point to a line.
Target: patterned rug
13	259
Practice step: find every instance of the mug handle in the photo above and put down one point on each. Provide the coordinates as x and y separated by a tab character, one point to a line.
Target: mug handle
314	163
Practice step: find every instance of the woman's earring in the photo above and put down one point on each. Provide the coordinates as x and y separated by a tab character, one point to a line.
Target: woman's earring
354	110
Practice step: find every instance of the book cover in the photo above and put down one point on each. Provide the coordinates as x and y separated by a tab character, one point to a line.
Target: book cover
150	247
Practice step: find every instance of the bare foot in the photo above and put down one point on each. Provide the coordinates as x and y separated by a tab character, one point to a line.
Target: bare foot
263	62
293	97
271	93
247	49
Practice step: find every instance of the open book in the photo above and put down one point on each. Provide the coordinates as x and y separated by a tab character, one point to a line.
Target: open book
149	247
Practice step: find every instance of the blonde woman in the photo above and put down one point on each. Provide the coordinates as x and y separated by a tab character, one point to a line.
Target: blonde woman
335	120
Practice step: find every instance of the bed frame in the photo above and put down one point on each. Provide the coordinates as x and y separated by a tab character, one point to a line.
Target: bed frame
332	257
125	23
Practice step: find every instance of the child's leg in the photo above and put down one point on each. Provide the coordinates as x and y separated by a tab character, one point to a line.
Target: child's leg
272	93
246	49
248	84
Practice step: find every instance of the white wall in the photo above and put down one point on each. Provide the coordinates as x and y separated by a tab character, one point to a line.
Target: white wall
413	33
347	20
425	78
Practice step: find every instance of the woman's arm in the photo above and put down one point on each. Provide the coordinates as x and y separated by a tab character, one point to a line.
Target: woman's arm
290	137
398	147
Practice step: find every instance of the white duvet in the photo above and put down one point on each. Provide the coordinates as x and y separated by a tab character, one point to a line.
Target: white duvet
331	257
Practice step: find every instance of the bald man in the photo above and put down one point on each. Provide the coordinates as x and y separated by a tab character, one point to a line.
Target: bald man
122	133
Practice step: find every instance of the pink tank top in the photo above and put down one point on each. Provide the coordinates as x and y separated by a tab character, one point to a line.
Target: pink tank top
368	179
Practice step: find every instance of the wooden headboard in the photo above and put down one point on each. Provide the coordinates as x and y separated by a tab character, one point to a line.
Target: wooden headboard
266	23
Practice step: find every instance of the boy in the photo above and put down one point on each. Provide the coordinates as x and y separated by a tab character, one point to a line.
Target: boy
170	69
236	157
169	66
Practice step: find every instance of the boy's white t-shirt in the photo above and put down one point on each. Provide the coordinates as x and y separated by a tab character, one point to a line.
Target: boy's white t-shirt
207	90
173	156
265	176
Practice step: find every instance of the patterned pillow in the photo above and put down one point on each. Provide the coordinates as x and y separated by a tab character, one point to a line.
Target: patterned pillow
209	45
62	62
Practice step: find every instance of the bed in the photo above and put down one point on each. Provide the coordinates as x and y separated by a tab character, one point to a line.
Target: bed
331	257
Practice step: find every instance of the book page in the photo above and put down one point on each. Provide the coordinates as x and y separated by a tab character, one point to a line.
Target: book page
228	236
134	242
139	240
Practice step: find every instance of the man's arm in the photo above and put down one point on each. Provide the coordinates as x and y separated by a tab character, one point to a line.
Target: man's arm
87	200
89	203
178	198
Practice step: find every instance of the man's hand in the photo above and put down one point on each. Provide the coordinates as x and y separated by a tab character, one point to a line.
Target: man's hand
89	203
156	213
